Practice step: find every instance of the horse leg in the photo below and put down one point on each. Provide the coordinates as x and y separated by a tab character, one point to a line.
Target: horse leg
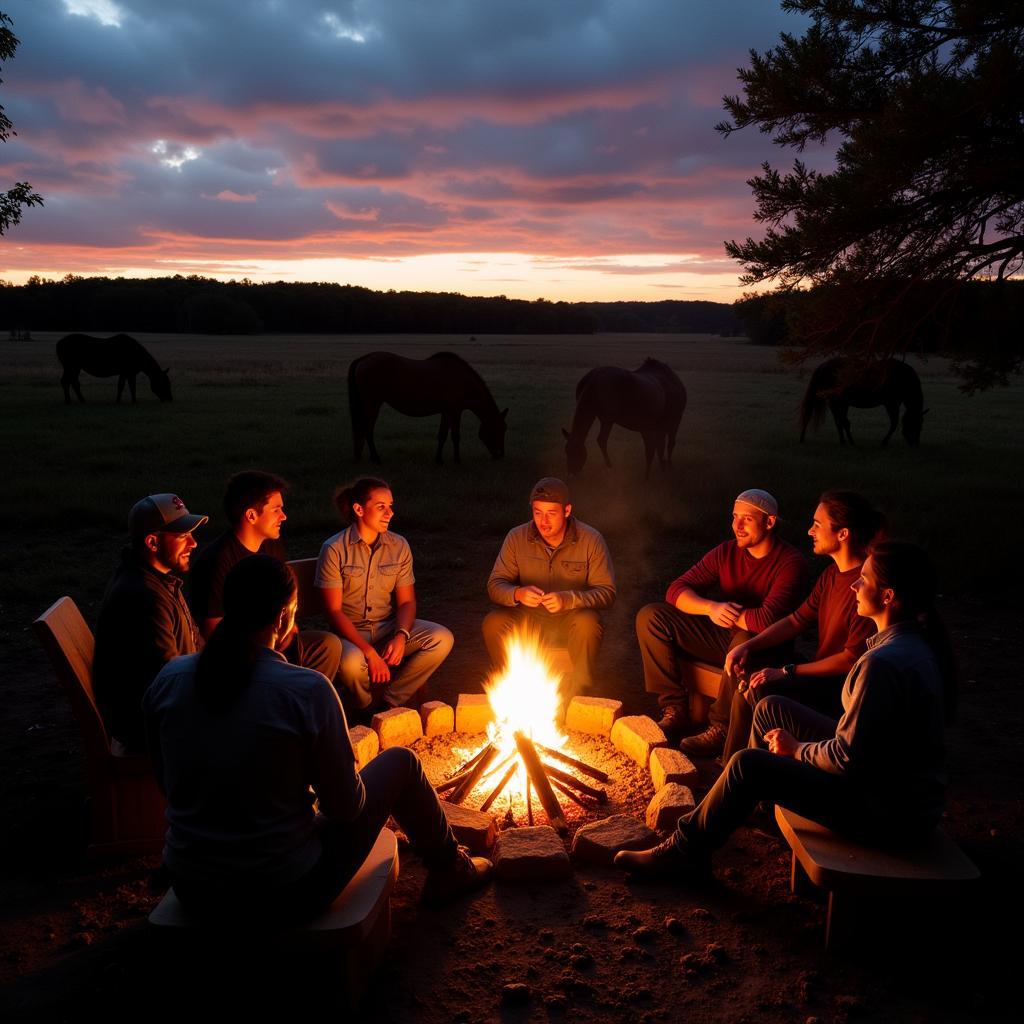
369	424
456	423
131	386
66	382
842	421
650	445
442	436
602	440
894	419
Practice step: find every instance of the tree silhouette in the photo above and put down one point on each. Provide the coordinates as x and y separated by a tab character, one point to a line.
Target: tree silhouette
21	195
923	98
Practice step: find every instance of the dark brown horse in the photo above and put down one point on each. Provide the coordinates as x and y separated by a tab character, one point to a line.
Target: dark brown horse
443	383
121	356
840	383
649	399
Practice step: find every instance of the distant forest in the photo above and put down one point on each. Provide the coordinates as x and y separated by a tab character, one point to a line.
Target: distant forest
198	305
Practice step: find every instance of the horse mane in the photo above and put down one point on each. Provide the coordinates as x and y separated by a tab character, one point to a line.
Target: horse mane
585	381
655	366
457	360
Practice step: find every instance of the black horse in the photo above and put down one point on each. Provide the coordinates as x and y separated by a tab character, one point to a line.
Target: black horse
120	355
840	383
443	383
650	399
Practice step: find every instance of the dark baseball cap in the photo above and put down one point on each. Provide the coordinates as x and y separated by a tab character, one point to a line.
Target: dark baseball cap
550	488
162	513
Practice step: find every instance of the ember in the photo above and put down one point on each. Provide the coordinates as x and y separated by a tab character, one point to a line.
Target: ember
525	696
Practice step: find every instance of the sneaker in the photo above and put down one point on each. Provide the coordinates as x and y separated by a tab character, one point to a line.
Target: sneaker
666	860
464	874
674	721
709	743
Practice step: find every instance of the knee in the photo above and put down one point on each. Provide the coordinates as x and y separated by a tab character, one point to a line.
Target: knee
352	663
441	641
400	760
649	618
497	621
586	625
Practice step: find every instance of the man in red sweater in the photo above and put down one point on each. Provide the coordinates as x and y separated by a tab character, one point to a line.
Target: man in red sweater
734	592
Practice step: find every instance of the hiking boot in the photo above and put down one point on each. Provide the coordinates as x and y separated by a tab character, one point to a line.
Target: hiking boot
709	743
464	874
674	720
666	860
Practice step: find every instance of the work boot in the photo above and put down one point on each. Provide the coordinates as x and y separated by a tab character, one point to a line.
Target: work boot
709	743
464	874
668	859
673	722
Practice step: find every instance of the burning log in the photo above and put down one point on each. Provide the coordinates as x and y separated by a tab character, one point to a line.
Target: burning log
570	780
580	766
529	802
575	798
535	770
486	805
472	776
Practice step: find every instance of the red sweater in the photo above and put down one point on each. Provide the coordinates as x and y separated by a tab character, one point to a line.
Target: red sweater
832	607
769	588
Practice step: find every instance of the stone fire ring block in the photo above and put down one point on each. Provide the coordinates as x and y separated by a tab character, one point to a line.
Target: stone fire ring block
473	712
594	715
365	744
397	727
598	842
636	736
534	854
668	765
438	718
475	829
670	803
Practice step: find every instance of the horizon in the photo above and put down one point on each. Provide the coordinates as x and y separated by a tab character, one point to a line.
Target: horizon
563	153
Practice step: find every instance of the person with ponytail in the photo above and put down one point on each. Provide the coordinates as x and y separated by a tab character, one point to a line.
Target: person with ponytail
364	575
877	774
267	813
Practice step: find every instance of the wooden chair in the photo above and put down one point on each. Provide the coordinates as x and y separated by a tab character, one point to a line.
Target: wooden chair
127	807
849	871
701	681
309	597
351	933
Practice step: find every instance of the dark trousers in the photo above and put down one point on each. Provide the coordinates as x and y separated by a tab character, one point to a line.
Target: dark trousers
580	631
395	785
756	774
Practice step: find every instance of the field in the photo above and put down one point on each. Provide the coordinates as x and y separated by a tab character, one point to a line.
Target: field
71	473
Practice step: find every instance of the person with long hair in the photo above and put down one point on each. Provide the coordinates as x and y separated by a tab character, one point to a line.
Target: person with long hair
843	527
877	774
365	578
263	793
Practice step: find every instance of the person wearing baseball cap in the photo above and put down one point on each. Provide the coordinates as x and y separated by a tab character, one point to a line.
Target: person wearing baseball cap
555	575
735	591
144	620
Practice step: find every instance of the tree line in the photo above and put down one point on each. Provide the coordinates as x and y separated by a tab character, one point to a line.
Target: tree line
198	305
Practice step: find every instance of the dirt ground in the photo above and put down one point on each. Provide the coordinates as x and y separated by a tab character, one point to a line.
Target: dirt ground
597	948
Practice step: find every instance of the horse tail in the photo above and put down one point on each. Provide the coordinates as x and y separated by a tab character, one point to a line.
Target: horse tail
812	408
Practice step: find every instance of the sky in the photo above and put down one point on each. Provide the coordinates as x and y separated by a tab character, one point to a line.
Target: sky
562	149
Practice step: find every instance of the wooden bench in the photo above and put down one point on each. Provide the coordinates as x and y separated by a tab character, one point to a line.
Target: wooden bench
701	681
847	870
126	805
351	934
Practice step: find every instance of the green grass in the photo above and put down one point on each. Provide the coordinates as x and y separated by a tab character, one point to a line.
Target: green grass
280	403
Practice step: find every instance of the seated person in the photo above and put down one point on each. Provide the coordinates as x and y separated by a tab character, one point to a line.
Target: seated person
144	620
756	578
365	578
554	574
243	744
844	526
254	506
876	774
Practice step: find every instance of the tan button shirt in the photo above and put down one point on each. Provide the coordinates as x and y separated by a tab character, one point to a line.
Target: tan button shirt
367	575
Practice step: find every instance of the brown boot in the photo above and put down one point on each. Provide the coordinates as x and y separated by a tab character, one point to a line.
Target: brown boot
674	721
709	743
464	874
666	860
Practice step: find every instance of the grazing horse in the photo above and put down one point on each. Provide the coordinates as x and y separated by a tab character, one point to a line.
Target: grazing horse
442	383
120	355
650	400
841	382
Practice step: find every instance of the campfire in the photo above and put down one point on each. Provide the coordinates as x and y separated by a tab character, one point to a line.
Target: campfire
523	740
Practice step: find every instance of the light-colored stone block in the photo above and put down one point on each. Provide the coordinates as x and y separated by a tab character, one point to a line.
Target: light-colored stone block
598	842
473	712
397	727
594	715
365	743
530	854
636	736
670	803
668	765
475	829
438	718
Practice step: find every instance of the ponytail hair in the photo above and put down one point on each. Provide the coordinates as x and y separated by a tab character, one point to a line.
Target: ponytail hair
852	511
907	570
256	591
357	493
